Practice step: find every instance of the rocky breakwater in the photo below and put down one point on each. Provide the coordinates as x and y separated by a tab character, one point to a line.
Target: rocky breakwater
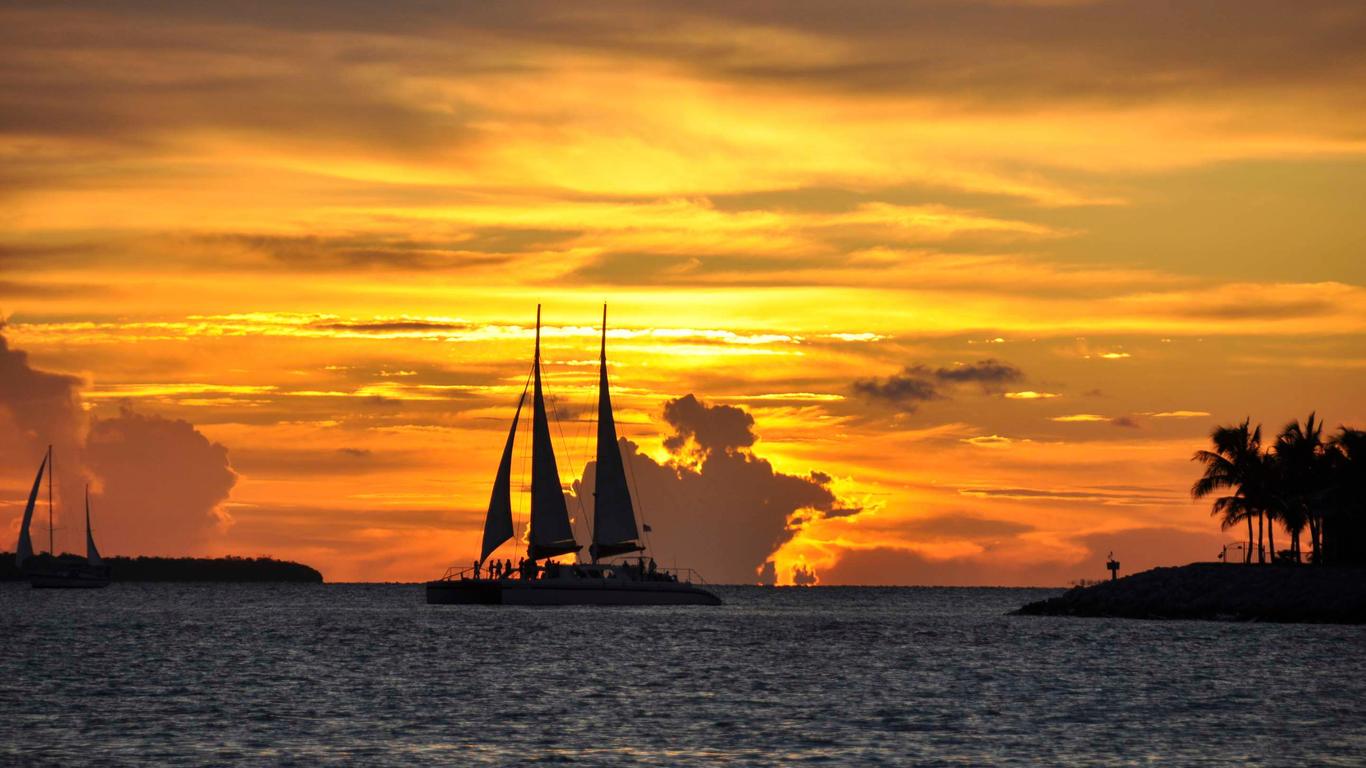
1219	591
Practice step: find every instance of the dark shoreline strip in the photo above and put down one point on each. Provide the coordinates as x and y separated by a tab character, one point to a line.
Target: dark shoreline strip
189	569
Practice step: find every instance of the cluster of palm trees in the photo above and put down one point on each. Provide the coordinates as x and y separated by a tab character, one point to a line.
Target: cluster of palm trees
1302	481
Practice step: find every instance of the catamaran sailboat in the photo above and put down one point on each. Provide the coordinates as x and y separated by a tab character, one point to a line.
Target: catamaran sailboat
551	535
49	570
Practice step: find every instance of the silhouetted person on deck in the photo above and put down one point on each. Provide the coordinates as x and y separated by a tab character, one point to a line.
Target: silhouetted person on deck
507	568
653	568
476	569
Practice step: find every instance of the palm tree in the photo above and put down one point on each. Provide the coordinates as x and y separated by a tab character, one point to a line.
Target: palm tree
1344	527
1235	464
1269	482
1300	454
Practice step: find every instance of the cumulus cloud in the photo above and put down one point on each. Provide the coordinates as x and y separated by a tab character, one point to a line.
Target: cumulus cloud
162	482
715	505
158	484
41	407
707	428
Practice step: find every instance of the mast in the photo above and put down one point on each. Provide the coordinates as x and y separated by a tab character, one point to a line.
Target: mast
50	549
614	519
551	533
24	550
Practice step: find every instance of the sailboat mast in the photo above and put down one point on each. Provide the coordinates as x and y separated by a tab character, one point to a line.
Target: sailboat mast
50	549
597	465
614	522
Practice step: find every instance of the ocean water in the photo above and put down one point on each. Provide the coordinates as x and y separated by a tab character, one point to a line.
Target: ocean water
369	674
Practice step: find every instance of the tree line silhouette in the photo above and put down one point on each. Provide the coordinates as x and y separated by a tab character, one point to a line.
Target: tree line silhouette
143	568
1302	481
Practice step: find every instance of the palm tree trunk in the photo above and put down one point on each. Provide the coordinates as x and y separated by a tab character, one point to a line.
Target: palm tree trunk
1261	553
1271	536
1247	553
1319	553
1314	537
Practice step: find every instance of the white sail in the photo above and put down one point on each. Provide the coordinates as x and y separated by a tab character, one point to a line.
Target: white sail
498	522
551	533
25	549
614	519
92	555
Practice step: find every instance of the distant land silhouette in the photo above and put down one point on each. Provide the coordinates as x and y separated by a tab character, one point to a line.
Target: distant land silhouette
231	569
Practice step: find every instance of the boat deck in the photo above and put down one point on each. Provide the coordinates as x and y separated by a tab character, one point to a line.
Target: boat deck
567	590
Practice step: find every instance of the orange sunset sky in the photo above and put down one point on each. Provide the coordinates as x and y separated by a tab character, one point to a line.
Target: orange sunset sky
899	293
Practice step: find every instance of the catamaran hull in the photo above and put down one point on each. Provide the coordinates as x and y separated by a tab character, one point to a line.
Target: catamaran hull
516	592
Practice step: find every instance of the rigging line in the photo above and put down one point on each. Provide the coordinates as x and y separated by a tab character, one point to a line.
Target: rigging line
583	441
640	502
592	423
526	448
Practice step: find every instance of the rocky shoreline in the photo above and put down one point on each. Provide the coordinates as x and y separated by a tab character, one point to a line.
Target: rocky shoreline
1222	592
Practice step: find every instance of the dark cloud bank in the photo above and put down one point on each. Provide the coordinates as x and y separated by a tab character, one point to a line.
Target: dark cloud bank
916	384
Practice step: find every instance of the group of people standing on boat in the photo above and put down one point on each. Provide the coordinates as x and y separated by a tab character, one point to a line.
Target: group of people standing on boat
503	569
529	570
497	569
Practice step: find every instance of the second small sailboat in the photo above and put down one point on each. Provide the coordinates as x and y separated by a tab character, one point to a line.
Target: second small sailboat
48	570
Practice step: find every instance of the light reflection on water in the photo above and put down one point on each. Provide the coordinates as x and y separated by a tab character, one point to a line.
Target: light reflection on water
294	674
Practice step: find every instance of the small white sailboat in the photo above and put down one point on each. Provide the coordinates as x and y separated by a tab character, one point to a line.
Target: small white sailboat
50	570
551	535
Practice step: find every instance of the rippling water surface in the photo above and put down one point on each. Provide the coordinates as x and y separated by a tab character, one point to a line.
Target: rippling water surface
307	675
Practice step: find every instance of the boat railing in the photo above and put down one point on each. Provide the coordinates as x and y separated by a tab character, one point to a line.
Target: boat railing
685	575
688	575
455	572
458	573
